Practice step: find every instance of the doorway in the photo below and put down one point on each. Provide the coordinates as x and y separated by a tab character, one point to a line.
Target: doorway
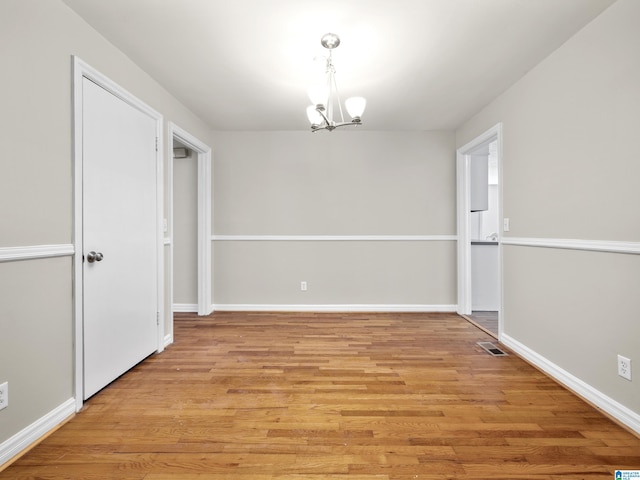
184	217
117	234
479	235
200	156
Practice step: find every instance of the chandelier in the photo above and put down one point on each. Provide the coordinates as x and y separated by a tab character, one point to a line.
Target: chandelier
325	99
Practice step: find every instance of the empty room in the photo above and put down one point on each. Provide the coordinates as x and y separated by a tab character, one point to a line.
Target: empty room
282	239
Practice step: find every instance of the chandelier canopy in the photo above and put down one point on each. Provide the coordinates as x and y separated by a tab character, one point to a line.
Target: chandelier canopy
325	98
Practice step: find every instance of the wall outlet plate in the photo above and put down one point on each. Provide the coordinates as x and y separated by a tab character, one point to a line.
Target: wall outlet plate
624	367
4	395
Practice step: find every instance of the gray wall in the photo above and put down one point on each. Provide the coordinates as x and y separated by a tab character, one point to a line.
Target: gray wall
343	183
37	40
36	339
572	171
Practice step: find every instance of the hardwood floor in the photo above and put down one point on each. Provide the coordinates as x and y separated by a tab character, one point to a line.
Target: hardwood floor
487	321
331	396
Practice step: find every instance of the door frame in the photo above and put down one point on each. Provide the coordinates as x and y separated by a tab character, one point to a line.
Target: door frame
82	70
463	158
205	305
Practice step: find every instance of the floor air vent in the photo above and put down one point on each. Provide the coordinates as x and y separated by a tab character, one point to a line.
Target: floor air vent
492	349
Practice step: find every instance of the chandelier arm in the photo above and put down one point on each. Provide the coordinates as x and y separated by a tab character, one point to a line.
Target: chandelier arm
326	120
344	124
333	126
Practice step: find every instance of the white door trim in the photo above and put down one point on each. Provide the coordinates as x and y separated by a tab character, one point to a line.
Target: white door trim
205	304
464	239
83	70
464	207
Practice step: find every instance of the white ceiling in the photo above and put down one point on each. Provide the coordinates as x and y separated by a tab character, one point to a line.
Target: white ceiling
421	64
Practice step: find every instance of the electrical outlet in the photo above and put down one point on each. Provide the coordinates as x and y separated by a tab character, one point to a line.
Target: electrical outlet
624	367
506	225
303	286
4	395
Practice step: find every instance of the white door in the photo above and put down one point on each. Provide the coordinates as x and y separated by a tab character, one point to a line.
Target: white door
119	225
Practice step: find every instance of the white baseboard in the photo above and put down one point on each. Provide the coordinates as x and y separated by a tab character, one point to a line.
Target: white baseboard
332	308
34	432
185	307
168	340
613	408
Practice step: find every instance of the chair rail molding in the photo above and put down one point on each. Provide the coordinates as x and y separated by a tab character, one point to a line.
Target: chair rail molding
610	246
334	238
12	254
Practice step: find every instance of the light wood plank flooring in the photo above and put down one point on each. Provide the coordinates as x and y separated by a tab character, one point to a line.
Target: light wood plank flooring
331	396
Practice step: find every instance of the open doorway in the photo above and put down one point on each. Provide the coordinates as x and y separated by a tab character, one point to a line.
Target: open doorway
479	234
185	228
194	178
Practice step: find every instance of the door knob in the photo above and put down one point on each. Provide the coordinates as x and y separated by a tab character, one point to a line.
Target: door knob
94	257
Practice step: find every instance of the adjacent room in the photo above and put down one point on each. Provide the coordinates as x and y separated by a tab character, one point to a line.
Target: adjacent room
281	239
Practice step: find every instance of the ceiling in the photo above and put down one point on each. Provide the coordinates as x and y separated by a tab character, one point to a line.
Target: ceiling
421	64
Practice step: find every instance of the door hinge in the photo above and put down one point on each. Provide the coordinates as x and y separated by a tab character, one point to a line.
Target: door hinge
156	144
158	318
